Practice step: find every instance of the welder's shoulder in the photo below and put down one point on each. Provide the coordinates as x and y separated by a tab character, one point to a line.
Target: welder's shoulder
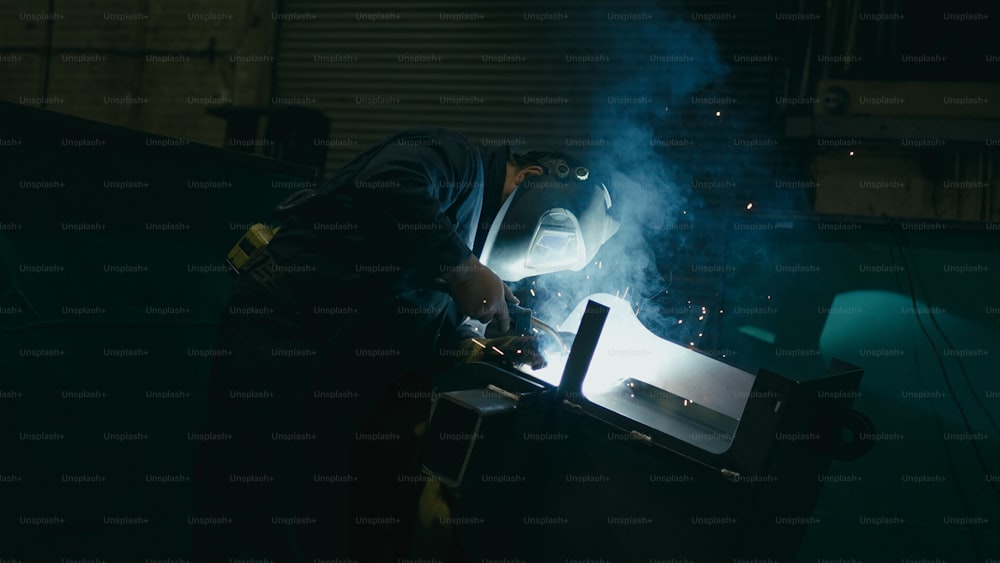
439	138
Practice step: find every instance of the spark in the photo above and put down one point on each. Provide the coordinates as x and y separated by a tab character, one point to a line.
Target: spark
718	114
480	344
680	321
497	350
688	403
532	291
519	352
559	293
750	205
700	334
701	318
625	295
600	264
720	311
851	153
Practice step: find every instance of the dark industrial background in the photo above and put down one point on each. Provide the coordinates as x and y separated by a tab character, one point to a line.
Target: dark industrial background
825	185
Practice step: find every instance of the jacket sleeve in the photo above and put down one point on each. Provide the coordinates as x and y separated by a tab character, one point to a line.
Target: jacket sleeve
420	200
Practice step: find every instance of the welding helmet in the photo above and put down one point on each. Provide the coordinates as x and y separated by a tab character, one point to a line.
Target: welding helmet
552	222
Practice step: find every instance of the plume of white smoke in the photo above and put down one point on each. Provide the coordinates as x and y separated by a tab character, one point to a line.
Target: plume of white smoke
632	111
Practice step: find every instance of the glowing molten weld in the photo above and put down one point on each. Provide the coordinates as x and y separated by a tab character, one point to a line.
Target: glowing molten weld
628	351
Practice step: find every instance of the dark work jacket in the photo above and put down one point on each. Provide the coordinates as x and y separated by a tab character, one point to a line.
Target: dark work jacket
370	244
397	216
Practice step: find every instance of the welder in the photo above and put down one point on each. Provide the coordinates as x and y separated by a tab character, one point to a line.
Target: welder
334	331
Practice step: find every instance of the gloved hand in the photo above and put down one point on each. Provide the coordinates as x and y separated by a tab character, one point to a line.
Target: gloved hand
512	350
479	293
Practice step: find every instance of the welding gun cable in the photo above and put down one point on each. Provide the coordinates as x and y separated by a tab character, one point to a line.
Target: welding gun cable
958	359
660	291
961	365
547	328
16	291
962	497
944	372
965	374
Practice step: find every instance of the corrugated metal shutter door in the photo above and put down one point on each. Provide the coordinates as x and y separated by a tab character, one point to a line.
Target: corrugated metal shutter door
376	68
532	74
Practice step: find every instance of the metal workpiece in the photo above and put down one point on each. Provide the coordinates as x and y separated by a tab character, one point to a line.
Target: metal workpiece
478	401
668	436
457	418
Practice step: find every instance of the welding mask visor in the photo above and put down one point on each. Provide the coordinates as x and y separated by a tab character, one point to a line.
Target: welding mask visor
552	222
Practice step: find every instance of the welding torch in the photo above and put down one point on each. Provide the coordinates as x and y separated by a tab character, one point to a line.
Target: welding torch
523	323
520	344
